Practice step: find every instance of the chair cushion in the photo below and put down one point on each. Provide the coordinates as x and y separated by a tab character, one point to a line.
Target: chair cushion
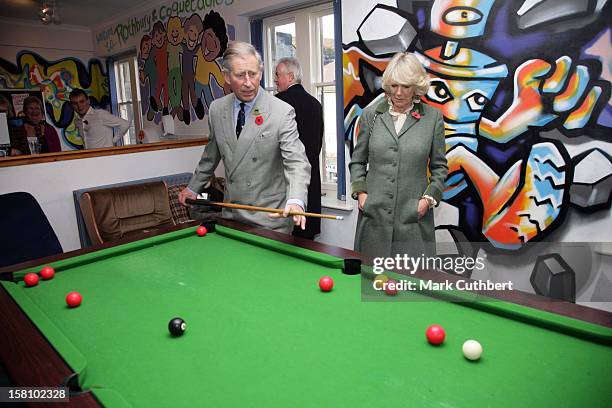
179	211
120	211
25	233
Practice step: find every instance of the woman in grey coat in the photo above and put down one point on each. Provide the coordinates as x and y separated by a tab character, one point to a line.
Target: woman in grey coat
399	166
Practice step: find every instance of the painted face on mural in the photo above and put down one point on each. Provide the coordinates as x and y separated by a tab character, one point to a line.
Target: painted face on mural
401	96
210	45
158	38
191	36
282	78
244	77
175	34
80	104
460	101
145	49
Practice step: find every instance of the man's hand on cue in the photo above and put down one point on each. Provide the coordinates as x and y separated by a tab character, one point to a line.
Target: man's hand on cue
297	219
184	195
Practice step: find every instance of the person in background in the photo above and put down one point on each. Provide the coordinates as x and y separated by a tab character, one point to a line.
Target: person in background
15	132
256	136
309	118
96	125
35	135
399	166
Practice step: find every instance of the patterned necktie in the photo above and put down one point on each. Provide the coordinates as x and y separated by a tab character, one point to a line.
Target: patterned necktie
240	121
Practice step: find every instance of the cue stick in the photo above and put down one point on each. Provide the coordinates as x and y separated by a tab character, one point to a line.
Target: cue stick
263	209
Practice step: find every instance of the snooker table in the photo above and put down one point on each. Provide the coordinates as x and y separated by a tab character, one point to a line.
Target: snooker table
260	333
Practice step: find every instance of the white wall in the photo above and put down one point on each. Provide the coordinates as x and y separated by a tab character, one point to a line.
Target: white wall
50	42
340	233
52	184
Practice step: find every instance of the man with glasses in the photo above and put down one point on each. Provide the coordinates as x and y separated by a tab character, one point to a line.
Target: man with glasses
256	136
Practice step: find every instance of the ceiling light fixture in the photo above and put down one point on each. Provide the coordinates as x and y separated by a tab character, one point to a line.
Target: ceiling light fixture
48	12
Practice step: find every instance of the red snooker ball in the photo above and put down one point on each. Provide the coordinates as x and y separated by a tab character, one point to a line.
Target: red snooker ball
435	334
201	231
391	287
74	299
31	279
47	272
326	283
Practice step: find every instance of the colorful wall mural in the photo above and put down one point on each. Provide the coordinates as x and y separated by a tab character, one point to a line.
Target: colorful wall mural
116	37
56	79
179	46
524	87
180	66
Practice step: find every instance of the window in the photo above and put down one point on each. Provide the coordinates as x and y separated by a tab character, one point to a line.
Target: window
325	86
308	35
128	96
280	44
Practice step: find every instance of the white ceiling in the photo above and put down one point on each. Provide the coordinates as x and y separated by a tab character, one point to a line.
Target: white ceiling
87	13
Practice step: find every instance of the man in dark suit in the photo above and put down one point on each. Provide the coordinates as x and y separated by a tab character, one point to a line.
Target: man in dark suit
309	118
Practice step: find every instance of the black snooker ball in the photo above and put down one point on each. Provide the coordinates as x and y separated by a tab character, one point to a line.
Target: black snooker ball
177	326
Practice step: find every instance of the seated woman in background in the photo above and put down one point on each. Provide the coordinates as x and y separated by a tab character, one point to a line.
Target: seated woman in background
399	166
35	133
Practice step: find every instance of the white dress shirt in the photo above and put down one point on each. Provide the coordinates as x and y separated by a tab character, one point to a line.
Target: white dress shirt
398	118
398	121
96	128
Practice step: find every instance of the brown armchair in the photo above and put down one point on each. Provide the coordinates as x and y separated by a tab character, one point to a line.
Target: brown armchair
119	212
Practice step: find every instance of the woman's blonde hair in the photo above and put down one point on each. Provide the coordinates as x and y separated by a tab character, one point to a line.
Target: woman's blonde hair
405	69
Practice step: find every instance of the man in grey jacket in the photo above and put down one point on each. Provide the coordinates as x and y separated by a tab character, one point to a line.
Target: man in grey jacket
255	134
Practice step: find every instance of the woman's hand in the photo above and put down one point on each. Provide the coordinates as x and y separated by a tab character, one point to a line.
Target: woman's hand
361	199
423	207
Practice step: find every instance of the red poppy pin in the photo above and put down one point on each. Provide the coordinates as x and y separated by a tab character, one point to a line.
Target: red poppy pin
258	120
417	112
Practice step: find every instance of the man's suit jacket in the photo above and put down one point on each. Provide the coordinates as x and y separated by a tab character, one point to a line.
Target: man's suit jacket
266	166
309	117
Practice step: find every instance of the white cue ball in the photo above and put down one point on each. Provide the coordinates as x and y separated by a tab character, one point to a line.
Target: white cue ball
472	350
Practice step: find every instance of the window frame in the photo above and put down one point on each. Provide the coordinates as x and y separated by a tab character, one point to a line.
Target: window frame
307	28
135	103
318	87
268	25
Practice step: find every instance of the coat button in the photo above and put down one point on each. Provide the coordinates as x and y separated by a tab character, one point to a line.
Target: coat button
248	183
254	159
391	179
